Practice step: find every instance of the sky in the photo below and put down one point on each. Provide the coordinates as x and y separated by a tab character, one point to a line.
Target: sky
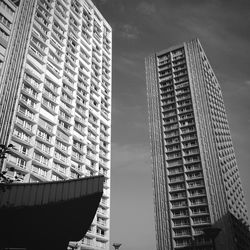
140	28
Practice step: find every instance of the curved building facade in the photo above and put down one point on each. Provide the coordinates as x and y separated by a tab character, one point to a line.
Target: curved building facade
38	216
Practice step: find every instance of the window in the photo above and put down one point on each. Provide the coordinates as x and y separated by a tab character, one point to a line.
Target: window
20	148
21	135
3	34
43	135
48	104
60	157
18	161
23	123
43	147
62	146
39	171
40	158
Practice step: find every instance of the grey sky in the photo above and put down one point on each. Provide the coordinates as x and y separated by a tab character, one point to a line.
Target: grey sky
139	29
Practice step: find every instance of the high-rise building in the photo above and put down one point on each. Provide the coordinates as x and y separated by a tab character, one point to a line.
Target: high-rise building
55	98
7	18
195	175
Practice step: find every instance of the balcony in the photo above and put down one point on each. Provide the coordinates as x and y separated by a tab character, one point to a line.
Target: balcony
197	193
61	158
17	162
51	86
174	163
188	152
92	156
69	81
178	68
45	125
173	156
181	222
175	171
183	97
85	57
53	70
44	32
63	136
40	46
37	55
185	110
192	168
180	213
195	184
103	163
169	128
182	233
49	95
57	46
79	147
168	108
49	106
182	104
40	35
176	187
176	196
180	86
25	113
186	117
191	159
194	176
32	82
170	135
192	137
201	220
40	160
65	98
60	169
182	91
181	81
77	157
61	13
42	21
179	62
93	147
196	211
66	108
55	59
188	130
30	92
102	211
66	128
58	28
79	127
31	104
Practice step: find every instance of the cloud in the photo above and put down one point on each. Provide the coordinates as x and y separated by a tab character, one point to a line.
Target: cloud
247	82
131	157
129	32
103	1
146	8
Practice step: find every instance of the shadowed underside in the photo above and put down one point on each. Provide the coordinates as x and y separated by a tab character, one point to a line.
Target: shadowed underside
47	215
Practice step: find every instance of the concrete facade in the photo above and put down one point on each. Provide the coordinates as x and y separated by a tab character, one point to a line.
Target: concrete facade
195	174
56	99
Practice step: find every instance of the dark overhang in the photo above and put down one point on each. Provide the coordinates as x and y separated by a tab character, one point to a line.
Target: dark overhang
47	215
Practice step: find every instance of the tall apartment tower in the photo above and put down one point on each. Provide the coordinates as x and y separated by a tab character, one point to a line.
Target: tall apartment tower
195	175
7	19
55	99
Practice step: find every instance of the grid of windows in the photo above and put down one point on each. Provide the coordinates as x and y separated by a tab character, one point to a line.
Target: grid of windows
62	127
187	195
196	178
